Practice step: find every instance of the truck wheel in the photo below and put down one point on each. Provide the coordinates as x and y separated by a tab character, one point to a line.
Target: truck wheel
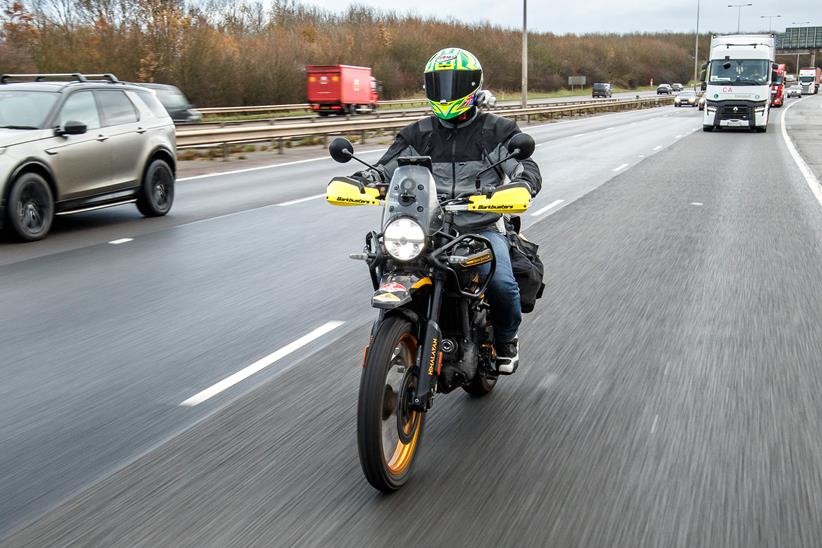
707	128
761	129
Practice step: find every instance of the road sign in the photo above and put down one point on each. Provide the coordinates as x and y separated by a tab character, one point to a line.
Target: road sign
800	38
577	80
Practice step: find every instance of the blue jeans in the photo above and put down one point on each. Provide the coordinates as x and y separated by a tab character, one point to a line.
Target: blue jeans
503	291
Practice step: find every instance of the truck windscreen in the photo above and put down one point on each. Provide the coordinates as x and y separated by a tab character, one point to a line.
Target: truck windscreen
806	79
740	72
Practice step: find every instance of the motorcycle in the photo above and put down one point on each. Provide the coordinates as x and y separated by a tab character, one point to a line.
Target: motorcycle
433	332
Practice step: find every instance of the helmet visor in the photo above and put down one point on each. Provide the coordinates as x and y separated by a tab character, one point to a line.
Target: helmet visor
450	85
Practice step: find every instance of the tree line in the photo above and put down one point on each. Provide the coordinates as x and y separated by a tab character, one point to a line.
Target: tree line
223	53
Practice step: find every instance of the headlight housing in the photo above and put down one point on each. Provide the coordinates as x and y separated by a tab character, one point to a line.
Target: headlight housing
404	239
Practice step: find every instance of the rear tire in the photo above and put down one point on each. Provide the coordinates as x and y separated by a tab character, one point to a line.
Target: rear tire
30	209
388	434
761	129
707	128
157	193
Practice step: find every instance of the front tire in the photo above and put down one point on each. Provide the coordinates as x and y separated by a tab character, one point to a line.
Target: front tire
30	207
157	192
707	128
388	433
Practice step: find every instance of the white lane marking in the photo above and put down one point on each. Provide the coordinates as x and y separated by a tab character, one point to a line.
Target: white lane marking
810	178
678	137
552	205
653	426
270	166
579	135
658	147
121	241
259	365
697	204
619	168
301	200
608	128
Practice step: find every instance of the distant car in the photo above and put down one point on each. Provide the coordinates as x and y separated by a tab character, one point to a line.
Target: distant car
175	103
601	90
664	89
677	87
75	143
794	91
687	98
486	99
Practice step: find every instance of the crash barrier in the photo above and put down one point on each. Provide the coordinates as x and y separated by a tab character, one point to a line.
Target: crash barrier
262	109
279	133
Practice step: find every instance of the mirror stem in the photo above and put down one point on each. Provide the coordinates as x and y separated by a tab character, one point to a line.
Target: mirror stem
366	164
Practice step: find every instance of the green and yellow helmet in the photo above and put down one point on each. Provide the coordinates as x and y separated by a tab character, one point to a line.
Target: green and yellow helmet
453	76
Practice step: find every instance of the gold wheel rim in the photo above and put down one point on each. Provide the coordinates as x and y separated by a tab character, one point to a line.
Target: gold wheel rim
403	453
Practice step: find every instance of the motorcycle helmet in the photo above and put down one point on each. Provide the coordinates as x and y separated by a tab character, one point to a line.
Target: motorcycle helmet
453	76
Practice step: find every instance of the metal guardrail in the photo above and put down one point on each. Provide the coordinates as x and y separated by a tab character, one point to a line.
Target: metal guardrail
189	136
257	109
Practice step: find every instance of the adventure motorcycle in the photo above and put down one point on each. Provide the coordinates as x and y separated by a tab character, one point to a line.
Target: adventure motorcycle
433	332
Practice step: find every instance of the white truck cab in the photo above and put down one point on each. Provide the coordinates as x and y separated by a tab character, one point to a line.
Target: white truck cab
737	81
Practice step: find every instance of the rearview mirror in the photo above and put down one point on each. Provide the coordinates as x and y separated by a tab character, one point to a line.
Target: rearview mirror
72	127
521	146
344	191
341	150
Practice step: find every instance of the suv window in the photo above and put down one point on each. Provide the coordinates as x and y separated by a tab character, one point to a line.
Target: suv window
80	107
116	107
153	104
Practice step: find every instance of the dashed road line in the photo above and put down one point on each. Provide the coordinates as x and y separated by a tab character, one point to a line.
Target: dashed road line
552	205
620	168
259	365
121	241
301	200
658	147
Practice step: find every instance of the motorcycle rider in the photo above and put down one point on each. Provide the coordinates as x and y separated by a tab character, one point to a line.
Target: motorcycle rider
462	141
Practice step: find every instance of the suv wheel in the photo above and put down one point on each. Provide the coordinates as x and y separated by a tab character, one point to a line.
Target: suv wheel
157	193
30	207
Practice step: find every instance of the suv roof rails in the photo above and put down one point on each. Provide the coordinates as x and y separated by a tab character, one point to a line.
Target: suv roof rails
74	76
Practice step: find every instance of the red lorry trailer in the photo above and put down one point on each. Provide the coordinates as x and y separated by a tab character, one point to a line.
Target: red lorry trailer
778	87
341	89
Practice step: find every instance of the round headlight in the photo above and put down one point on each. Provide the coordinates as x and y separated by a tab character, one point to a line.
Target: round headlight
404	239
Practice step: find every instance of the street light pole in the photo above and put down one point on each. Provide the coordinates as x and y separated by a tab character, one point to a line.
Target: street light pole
696	46
770	19
524	53
799	23
739	14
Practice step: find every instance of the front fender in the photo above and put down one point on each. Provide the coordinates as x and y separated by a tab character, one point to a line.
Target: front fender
397	290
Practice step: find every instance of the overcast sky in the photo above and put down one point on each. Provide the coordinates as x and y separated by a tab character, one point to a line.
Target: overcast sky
581	16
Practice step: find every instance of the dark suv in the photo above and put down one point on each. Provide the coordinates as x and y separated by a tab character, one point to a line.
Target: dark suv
601	90
176	103
74	142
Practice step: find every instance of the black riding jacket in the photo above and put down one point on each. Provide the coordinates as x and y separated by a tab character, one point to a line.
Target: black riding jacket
460	151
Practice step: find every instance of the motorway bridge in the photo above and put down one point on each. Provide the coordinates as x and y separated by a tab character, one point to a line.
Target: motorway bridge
670	391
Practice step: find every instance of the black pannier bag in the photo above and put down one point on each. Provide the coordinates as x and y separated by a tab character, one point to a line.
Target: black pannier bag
527	267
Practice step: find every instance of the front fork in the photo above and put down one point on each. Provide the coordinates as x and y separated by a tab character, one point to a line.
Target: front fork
430	356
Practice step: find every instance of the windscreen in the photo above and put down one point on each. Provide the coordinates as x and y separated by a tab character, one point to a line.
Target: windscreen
172	99
450	85
25	109
806	78
740	72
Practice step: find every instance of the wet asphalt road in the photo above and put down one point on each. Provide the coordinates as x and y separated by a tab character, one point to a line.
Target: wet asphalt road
668	394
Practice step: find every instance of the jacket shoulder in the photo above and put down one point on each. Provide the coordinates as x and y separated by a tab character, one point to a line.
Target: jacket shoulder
500	127
418	129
